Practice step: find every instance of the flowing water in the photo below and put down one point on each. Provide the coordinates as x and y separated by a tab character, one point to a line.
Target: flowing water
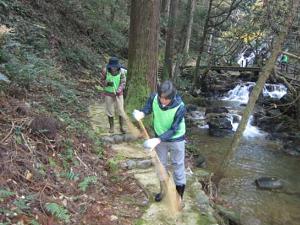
257	156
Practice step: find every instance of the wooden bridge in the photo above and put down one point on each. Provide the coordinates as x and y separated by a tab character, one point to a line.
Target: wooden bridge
233	68
292	74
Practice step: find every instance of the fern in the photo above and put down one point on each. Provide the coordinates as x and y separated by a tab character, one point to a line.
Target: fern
70	175
5	194
21	204
34	222
86	182
58	211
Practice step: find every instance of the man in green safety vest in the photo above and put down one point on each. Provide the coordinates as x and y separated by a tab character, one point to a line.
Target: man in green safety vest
169	125
284	63
113	79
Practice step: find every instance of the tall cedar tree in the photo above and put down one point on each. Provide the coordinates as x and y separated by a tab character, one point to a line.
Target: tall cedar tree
142	51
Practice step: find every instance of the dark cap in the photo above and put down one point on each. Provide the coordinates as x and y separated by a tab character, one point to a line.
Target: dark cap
113	62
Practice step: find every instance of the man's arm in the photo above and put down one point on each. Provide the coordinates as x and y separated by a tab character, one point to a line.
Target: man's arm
148	106
122	83
103	77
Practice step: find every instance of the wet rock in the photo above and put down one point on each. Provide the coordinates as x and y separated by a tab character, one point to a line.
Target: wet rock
200	161
144	164
231	216
108	139
129	138
220	122
236	118
219	125
201	199
123	165
131	164
268	183
216	110
118	138
190	108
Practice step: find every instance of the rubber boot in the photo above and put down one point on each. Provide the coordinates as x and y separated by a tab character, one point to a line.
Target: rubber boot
121	122
180	190
159	196
111	124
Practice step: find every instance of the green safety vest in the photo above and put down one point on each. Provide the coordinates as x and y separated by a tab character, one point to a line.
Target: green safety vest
163	119
284	58
115	79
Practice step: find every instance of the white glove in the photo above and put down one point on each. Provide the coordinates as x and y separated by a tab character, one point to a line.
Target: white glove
138	115
151	143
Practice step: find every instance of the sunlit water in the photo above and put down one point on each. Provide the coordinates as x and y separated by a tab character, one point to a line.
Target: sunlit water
241	92
256	156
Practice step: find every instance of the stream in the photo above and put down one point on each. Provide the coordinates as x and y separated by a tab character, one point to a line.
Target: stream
257	156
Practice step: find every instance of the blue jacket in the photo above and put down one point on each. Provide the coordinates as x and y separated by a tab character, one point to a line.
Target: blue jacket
166	137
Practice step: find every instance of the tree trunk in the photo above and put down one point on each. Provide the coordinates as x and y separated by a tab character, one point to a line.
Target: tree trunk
183	50
165	8
190	19
298	111
267	70
170	42
142	51
113	10
201	46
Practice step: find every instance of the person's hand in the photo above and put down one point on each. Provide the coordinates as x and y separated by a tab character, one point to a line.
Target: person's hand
119	92
138	115
151	143
109	83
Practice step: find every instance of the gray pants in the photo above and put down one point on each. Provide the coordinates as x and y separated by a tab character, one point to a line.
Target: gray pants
177	152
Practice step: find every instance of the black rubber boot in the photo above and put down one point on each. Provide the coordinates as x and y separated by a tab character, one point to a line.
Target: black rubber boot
159	196
121	122
111	124
180	190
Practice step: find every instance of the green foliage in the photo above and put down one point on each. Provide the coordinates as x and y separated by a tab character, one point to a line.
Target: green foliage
5	194
70	175
79	55
113	165
52	162
58	211
68	154
26	69
34	222
86	182
21	204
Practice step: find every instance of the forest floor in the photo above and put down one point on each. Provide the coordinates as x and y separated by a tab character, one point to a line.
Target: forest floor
49	177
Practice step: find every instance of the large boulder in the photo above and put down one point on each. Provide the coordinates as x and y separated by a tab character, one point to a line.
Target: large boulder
219	121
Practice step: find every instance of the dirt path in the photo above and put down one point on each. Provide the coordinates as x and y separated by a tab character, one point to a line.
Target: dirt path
156	213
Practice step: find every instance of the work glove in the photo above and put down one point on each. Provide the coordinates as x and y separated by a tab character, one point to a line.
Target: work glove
151	143
109	83
138	115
